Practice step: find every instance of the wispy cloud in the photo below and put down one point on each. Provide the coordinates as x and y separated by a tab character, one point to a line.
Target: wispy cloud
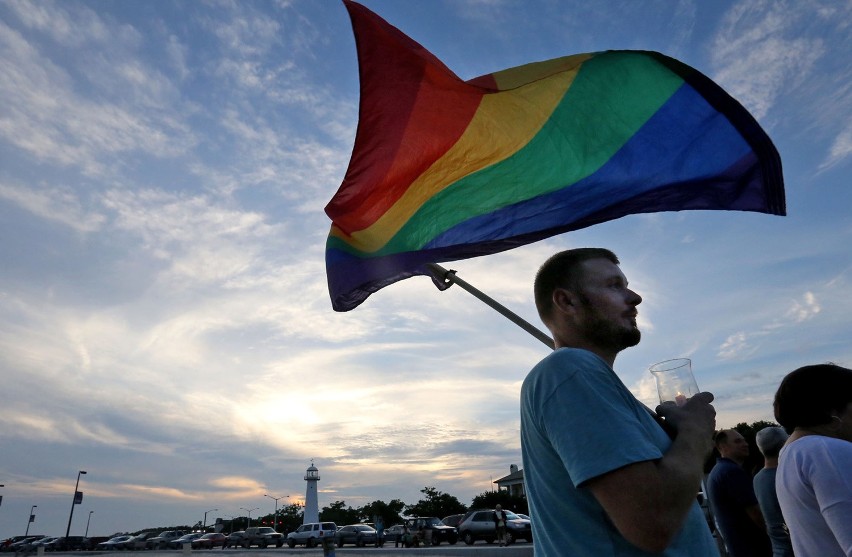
60	204
840	149
744	344
758	56
775	57
45	115
70	25
737	345
805	309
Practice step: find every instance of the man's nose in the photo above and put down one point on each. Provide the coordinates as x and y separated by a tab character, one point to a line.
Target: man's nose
635	299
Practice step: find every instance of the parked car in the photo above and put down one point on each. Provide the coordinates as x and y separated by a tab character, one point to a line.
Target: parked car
139	541
35	544
480	525
161	541
430	530
22	542
91	543
15	542
186	538
358	534
395	535
453	520
235	539
71	543
113	544
311	534
262	536
209	541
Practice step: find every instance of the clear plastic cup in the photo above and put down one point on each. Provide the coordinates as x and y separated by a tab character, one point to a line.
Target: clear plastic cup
675	382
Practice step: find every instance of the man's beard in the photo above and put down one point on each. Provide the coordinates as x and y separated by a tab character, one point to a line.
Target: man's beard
614	337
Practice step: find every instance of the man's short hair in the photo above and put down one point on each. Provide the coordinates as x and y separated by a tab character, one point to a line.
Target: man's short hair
562	270
812	395
770	440
721	437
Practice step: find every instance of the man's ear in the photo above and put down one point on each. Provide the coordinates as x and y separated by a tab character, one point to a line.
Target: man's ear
564	300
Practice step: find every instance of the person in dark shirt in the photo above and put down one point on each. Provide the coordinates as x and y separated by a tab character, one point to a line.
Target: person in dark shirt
733	501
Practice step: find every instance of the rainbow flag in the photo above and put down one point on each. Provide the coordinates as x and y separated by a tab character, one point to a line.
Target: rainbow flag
445	169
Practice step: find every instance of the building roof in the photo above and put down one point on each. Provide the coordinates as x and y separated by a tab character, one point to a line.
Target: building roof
514	476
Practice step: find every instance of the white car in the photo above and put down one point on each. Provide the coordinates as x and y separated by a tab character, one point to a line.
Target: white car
113	543
311	534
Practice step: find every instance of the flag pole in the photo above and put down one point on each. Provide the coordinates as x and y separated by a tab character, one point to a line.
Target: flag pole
449	276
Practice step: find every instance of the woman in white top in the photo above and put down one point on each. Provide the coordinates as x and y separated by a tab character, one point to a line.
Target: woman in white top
814	478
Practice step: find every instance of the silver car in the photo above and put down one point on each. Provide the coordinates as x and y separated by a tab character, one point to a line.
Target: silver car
357	534
480	525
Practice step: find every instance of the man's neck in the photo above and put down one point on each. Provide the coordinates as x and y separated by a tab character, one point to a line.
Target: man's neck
605	355
731	458
770	462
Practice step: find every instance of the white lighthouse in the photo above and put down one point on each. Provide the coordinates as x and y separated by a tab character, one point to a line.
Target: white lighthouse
311	505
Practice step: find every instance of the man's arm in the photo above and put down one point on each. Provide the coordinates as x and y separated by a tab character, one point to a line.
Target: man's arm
648	501
753	512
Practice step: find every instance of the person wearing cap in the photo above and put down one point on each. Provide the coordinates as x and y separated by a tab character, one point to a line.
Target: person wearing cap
770	440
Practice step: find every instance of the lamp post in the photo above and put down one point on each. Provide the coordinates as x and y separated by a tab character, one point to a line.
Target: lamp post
249	514
204	526
87	524
78	498
30	519
275	515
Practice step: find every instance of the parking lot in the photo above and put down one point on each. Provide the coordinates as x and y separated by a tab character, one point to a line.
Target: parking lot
459	550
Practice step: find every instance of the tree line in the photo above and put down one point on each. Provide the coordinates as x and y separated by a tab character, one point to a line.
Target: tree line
433	503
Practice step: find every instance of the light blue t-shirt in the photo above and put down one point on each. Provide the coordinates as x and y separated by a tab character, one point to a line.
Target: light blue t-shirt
579	421
764	490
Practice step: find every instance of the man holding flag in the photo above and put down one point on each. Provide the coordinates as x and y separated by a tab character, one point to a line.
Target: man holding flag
445	169
602	475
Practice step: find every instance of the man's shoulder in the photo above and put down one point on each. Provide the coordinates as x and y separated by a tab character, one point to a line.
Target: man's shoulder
765	473
764	483
560	366
720	471
569	361
725	466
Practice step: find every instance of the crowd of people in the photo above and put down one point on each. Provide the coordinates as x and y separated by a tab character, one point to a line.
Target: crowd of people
607	476
800	502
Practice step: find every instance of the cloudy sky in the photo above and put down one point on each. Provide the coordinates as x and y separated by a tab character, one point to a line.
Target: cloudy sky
164	317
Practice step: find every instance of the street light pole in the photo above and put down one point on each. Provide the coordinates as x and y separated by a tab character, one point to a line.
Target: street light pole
275	515
74	502
30	519
204	526
87	524
249	514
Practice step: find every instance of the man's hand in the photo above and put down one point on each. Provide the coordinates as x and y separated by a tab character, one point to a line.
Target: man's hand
648	501
696	419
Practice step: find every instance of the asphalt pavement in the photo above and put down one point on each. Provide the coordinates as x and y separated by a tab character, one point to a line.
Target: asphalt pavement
458	550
